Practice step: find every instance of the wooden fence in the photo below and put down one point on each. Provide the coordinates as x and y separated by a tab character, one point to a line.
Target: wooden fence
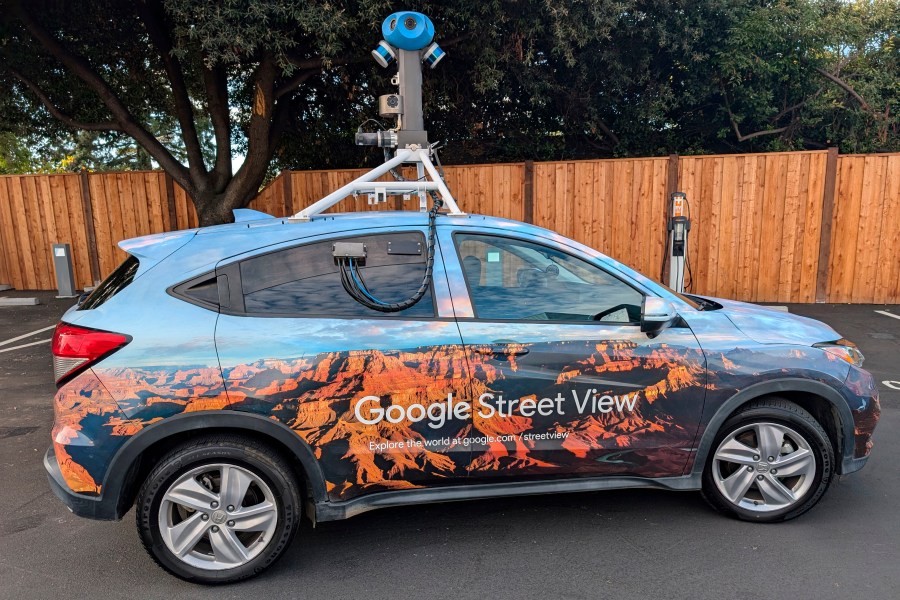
91	212
776	227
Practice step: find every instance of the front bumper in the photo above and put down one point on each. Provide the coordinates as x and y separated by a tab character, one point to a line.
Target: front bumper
91	507
862	397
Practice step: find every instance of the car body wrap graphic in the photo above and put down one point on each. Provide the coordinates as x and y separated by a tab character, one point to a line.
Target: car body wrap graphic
88	428
317	396
866	409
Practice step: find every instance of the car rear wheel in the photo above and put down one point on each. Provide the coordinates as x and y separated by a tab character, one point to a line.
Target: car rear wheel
218	509
771	461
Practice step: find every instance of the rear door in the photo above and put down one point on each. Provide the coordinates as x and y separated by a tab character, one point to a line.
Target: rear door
371	393
564	382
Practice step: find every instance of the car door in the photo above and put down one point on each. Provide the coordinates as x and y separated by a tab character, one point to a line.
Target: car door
368	391
564	382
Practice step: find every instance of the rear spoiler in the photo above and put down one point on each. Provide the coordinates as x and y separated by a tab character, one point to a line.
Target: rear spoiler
152	249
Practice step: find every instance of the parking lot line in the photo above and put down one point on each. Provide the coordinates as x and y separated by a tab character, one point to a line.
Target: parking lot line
887	314
25	345
26	335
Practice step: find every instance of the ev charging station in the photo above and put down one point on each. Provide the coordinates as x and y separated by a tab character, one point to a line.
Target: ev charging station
677	227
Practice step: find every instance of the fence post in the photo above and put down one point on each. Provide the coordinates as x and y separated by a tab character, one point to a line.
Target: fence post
170	203
672	184
672	178
528	199
88	211
288	190
828	198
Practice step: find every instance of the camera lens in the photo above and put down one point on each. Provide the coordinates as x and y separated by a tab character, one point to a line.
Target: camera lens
410	23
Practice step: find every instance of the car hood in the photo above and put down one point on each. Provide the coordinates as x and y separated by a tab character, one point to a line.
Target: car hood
769	326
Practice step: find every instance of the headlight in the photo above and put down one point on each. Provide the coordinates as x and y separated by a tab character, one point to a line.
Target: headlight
843	349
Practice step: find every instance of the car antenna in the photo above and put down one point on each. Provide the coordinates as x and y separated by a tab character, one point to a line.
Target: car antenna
408	40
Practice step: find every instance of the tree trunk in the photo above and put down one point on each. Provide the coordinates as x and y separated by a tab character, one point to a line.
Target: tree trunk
215	209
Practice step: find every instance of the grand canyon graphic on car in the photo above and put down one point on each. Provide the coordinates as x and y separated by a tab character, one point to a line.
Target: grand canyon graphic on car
227	382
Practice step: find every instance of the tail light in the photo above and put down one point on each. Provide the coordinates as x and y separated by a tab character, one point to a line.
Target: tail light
77	348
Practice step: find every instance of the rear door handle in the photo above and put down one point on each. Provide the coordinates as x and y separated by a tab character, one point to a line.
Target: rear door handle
505	349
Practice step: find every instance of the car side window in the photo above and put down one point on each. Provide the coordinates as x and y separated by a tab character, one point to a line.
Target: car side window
306	281
511	279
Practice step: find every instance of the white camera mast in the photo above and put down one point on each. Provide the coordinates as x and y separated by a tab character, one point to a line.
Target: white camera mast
408	39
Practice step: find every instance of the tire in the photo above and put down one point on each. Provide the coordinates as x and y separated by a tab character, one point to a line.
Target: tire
185	520
741	481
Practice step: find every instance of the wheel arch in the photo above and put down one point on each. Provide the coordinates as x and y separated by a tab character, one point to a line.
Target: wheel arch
124	475
819	399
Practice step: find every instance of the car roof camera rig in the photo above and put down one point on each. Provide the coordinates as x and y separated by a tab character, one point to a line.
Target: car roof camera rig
408	42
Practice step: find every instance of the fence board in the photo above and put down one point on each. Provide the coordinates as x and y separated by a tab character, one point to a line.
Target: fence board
887	277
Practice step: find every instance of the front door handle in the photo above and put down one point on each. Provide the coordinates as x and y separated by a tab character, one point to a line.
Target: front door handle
502	349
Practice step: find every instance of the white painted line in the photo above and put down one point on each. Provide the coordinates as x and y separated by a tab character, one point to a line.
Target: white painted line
24	346
894	385
887	314
26	335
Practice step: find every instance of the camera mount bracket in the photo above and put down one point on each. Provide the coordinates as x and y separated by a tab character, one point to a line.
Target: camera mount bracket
366	184
408	39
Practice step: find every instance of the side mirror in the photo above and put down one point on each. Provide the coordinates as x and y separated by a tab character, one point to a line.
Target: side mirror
657	315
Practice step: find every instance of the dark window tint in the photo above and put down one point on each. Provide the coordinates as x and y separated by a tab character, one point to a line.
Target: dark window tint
305	280
112	285
514	279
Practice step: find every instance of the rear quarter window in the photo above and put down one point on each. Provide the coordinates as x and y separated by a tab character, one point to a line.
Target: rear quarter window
112	285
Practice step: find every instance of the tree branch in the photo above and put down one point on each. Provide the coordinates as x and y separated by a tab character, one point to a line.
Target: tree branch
608	132
127	122
59	114
793	108
215	82
256	162
294	82
154	18
846	87
280	122
756	134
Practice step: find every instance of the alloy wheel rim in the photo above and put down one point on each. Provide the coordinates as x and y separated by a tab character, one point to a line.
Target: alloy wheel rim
218	516
764	467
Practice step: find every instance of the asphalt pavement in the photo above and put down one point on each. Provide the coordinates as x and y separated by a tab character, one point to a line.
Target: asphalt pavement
622	544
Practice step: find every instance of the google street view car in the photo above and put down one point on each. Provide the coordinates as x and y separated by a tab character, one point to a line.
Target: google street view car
228	381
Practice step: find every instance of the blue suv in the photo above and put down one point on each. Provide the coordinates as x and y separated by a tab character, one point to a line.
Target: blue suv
231	380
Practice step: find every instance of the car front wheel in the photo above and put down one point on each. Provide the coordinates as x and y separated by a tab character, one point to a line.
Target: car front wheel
771	461
219	509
